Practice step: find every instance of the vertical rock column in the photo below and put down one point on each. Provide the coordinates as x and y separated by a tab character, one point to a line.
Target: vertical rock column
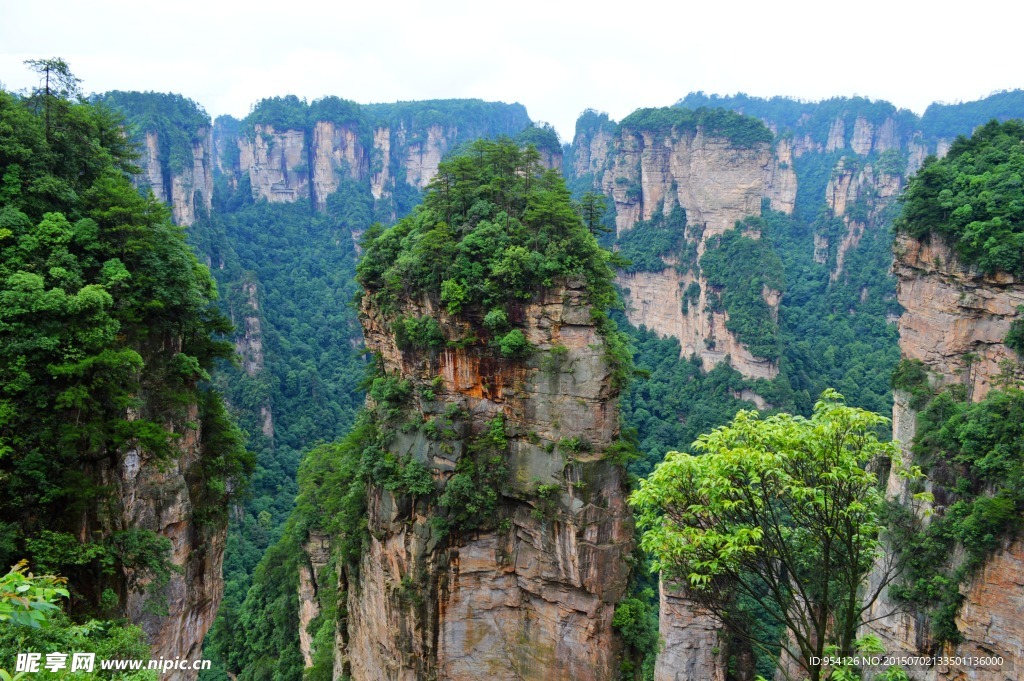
533	593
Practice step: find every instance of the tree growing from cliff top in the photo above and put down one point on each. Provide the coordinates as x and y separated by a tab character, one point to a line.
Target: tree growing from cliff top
973	197
775	526
495	230
107	332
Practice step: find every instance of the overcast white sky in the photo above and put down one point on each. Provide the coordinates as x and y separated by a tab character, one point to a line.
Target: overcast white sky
556	58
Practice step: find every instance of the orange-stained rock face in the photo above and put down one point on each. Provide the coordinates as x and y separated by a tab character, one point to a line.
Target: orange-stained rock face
534	597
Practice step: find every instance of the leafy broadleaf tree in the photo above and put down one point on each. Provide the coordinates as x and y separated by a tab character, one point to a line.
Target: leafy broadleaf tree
776	525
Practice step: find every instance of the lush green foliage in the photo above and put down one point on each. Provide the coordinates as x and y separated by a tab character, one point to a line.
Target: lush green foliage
974	198
31	601
636	620
743	131
649	242
1015	336
474	117
542	137
780	511
26	599
952	120
179	123
107	330
672	400
796	117
496	228
972	452
739	269
834	333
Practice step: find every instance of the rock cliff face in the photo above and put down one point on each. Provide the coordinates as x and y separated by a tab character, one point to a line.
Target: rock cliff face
188	190
166	497
277	163
291	164
718	183
858	195
955	323
532	595
956	319
692	648
249	345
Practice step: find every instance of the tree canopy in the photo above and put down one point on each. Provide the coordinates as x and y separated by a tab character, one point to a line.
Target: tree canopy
774	525
974	197
107	331
495	228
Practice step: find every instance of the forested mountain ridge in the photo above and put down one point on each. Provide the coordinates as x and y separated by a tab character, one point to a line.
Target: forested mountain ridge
828	183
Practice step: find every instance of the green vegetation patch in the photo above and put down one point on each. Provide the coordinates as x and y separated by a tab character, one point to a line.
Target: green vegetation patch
494	232
179	122
974	198
739	269
742	131
108	334
973	455
649	242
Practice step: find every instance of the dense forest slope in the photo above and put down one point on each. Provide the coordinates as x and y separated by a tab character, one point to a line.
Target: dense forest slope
118	462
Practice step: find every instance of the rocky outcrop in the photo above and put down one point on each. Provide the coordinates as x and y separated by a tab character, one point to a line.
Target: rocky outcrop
692	647
423	155
188	190
337	154
656	300
249	345
152	176
166	496
718	184
955	321
782	181
857	194
530	595
317	554
591	150
380	179
956	318
292	164
991	619
277	163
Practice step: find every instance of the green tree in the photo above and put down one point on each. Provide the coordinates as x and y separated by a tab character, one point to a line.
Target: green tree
108	332
592	209
58	84
775	525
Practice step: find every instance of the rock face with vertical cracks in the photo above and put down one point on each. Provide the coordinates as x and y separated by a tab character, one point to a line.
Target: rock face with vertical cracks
718	184
532	596
955	322
167	497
